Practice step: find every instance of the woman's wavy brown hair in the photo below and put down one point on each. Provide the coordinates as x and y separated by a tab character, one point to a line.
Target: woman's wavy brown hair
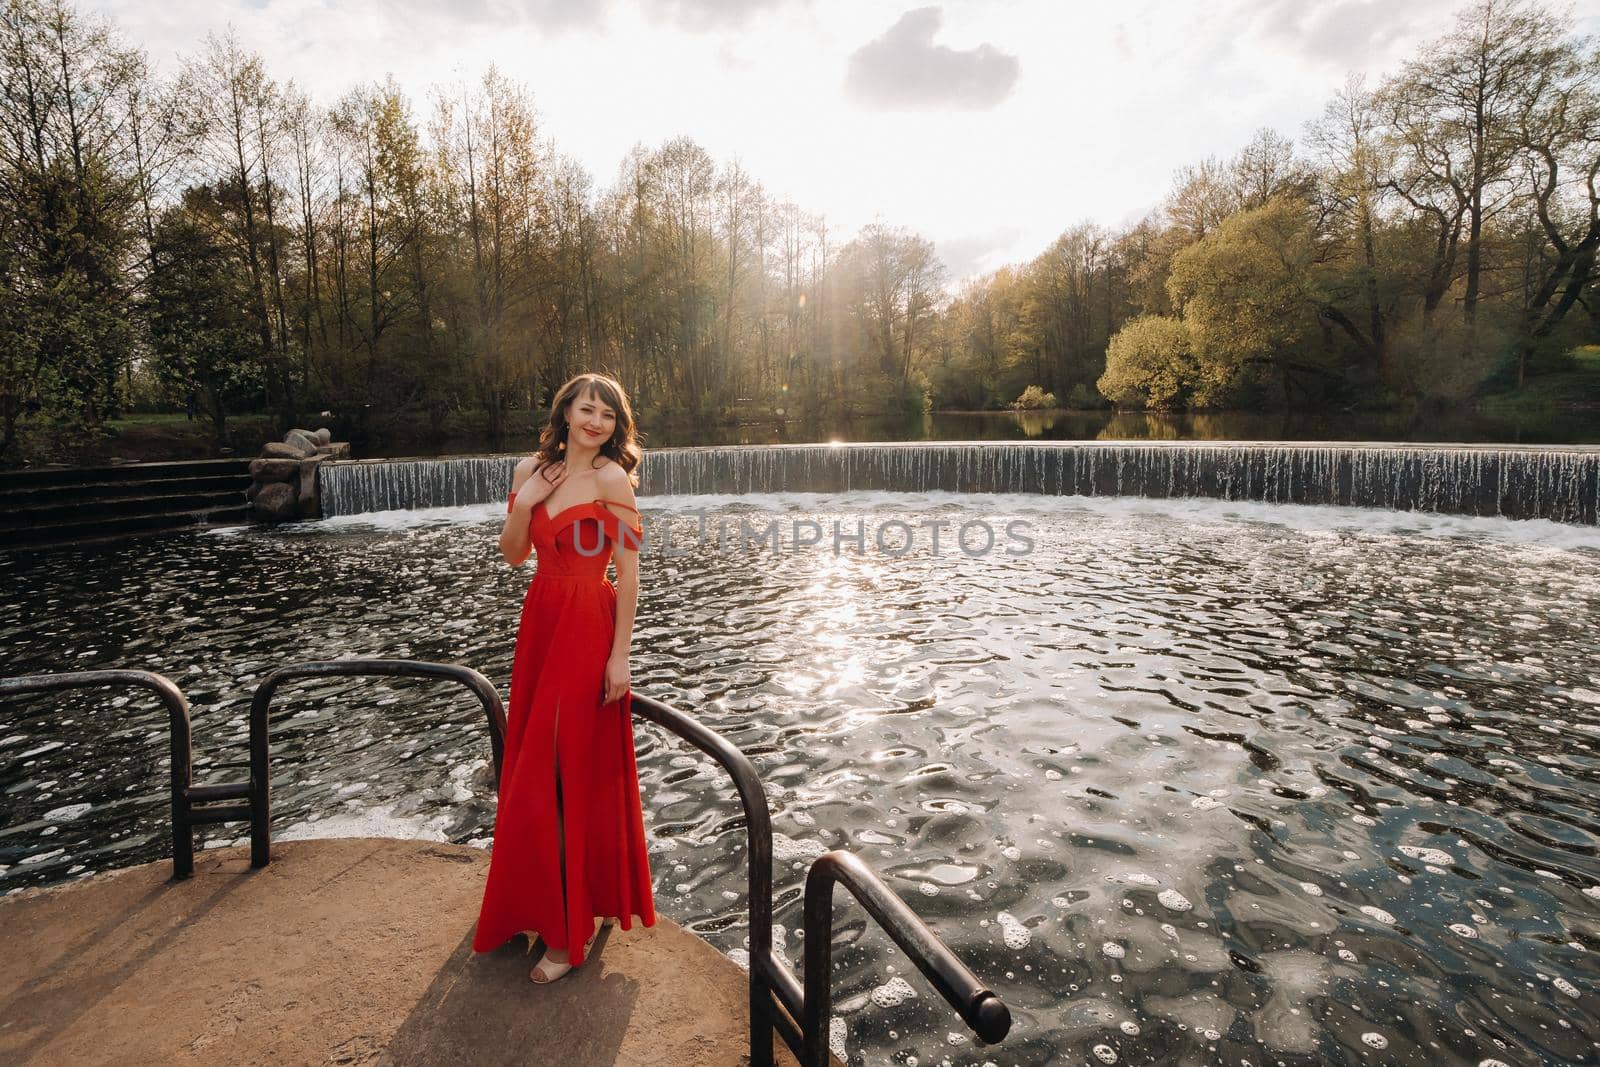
623	446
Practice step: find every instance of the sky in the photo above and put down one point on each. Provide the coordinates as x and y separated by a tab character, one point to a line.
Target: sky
988	126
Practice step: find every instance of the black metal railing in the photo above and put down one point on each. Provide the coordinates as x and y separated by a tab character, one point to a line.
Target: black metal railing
777	1001
191	804
261	705
979	1006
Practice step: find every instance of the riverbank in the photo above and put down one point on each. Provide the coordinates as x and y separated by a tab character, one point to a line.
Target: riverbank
1553	410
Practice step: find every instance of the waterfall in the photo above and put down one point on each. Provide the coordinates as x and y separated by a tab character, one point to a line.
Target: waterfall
1523	482
351	488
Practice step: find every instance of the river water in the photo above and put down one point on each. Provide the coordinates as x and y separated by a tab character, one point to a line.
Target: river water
1186	781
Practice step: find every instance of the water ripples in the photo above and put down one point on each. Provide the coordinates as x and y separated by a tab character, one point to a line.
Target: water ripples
1190	782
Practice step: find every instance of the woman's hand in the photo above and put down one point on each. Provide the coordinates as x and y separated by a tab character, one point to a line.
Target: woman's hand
616	679
540	484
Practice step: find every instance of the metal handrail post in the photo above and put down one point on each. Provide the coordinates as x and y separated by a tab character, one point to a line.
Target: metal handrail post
758	828
978	1005
261	704
181	748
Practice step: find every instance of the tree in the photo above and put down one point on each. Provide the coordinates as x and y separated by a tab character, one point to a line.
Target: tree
1558	131
232	98
203	336
1150	363
1454	112
69	190
892	278
1356	163
1250	295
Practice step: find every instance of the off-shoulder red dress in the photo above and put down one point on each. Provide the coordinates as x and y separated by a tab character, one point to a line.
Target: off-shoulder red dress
556	726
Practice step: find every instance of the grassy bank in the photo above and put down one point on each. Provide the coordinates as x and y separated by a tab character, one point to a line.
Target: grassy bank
139	439
1574	389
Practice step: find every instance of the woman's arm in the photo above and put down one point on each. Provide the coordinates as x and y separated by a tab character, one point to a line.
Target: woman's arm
516	543
626	556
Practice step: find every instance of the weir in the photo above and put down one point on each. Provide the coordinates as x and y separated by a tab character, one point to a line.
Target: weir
1561	484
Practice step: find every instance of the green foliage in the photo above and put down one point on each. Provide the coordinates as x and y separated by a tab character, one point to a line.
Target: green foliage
916	394
1082	397
203	338
1246	289
1150	363
1034	399
1573	384
953	386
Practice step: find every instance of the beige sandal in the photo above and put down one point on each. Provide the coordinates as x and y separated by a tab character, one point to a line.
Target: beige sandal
547	970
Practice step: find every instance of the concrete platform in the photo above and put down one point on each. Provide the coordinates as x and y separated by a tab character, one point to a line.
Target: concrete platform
341	951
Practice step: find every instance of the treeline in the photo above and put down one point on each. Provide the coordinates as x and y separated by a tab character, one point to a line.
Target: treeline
1433	235
217	235
226	238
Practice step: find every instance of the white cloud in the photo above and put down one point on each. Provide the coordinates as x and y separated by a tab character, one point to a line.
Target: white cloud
905	68
712	14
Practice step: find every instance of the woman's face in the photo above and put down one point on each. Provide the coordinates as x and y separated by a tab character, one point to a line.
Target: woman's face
590	420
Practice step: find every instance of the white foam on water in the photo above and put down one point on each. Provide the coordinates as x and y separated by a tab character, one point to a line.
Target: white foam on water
1173	900
893	992
399	519
1316	519
68	813
785	847
1427	855
1105	1054
1374	1040
1377	913
40	857
836	1036
1129	1027
1015	934
1112	950
378	821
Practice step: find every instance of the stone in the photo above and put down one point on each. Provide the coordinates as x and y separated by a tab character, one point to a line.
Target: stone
302	440
336	450
323	436
276	502
274	470
310	505
279	450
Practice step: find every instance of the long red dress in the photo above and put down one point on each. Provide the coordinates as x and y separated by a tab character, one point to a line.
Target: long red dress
557	725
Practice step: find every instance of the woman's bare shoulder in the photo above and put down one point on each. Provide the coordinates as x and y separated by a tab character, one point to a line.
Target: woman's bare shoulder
524	471
614	483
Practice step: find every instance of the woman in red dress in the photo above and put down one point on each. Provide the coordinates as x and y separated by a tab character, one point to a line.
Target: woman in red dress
569	842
